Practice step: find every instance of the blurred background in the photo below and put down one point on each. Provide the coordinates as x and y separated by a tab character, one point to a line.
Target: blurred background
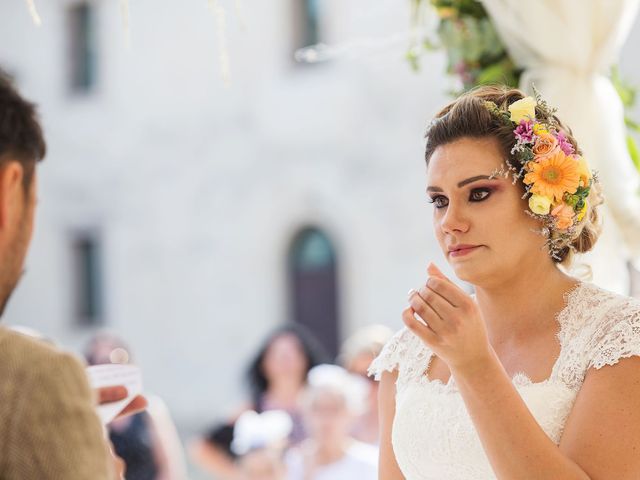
203	187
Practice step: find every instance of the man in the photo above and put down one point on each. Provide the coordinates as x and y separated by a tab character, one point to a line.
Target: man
48	425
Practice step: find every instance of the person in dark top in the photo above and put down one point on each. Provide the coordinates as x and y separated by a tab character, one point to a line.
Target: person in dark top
133	442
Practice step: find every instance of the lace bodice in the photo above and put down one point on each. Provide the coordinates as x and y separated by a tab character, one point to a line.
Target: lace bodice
433	436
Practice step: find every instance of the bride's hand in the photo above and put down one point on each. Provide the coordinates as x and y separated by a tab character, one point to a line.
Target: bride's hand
453	327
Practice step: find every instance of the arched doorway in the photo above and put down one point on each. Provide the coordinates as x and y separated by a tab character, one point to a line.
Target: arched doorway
313	286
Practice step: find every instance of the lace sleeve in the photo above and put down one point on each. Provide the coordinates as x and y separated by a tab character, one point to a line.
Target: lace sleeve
392	355
619	336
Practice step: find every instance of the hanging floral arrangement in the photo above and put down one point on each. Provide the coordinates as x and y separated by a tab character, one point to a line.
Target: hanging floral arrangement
477	56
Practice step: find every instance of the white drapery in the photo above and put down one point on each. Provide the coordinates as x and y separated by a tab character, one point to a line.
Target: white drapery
567	48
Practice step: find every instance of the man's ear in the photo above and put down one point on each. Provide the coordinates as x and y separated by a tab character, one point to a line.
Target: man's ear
11	192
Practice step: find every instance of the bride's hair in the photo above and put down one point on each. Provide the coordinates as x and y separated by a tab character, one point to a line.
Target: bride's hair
468	116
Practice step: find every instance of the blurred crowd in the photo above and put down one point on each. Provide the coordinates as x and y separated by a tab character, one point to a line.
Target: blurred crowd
306	419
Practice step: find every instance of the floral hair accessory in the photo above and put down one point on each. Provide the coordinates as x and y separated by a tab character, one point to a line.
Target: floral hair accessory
557	179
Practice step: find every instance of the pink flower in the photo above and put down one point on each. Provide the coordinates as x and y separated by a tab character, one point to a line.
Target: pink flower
564	144
524	131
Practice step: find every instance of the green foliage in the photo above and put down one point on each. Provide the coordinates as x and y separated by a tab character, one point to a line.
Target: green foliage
475	53
526	155
477	56
626	91
633	151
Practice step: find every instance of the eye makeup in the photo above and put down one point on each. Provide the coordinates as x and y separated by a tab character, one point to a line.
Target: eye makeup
475	195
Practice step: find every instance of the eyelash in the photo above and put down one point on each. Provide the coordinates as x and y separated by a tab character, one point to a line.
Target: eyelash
486	190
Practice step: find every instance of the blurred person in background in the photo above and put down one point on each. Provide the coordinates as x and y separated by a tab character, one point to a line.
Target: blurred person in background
259	443
356	354
147	441
276	379
332	402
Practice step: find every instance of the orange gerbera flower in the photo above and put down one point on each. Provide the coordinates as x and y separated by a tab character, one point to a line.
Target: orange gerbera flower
553	176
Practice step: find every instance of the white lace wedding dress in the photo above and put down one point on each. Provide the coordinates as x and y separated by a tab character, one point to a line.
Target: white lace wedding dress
433	436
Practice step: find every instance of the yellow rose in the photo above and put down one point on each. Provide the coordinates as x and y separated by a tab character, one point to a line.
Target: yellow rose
524	109
540	204
583	170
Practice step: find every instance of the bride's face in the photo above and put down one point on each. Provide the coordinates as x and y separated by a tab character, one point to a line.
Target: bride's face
486	214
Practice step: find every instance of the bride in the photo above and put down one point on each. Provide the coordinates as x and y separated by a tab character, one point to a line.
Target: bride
537	375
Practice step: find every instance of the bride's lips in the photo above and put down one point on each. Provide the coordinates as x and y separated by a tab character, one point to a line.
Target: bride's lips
462	249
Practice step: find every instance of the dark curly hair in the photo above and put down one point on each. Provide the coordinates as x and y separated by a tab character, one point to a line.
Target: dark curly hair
21	137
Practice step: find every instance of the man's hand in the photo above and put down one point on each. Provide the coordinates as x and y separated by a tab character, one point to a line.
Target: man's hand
138	404
117	393
119	467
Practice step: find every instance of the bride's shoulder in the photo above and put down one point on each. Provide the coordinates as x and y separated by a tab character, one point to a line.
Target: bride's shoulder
604	303
400	348
613	324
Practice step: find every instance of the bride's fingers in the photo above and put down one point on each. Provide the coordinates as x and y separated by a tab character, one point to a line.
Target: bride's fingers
441	306
435	271
424	332
426	312
442	295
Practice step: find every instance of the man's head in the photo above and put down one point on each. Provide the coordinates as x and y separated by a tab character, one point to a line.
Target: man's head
22	145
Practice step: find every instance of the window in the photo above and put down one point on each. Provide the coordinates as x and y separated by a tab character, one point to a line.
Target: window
312	21
82	47
313	286
306	23
88	280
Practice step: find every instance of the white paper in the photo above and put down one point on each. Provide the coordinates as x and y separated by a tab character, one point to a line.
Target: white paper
112	375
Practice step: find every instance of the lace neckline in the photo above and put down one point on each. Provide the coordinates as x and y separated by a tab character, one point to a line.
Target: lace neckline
520	378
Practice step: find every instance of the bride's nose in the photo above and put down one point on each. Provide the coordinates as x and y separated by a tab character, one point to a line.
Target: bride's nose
454	219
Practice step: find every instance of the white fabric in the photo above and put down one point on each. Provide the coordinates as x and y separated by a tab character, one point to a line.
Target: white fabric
433	436
567	48
359	463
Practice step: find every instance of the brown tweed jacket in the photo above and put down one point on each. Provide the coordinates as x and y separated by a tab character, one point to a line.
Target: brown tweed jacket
48	425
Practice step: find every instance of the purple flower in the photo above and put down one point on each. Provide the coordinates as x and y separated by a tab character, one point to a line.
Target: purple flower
524	131
564	144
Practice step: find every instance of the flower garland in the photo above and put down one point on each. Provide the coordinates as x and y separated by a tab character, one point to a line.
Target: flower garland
557	180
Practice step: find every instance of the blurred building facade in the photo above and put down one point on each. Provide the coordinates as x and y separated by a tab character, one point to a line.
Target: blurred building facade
192	218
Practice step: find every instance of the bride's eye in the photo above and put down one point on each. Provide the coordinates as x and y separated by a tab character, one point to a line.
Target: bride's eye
479	194
439	201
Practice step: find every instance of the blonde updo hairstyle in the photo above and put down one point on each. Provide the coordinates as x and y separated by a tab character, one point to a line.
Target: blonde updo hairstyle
467	116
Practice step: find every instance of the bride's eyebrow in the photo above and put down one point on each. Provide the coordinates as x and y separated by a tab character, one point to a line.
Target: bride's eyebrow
461	184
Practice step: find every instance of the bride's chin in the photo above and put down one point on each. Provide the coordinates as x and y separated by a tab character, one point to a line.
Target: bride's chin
469	273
